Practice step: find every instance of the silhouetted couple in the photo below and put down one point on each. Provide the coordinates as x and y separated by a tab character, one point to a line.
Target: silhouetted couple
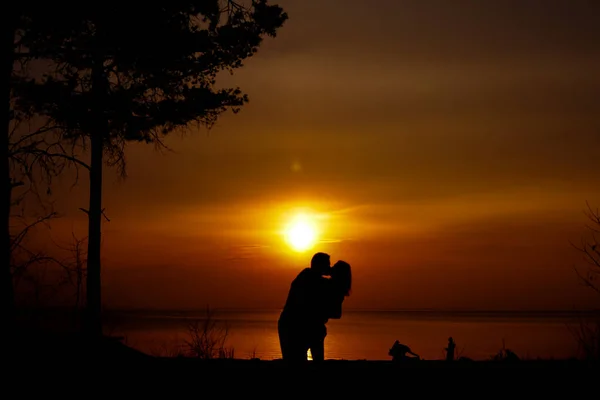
315	296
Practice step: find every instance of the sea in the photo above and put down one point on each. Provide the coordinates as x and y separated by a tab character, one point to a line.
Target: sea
361	334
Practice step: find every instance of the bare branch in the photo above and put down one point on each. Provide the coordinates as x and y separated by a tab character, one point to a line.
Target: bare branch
45	153
17	239
590	248
208	337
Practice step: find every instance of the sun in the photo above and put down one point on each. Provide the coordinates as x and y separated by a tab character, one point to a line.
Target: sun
301	233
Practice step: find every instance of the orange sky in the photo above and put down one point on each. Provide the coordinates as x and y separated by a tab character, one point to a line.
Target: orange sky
449	148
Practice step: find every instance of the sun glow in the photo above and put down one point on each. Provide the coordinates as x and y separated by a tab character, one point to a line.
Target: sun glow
301	233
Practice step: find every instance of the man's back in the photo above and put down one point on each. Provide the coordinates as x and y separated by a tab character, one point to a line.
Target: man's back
304	299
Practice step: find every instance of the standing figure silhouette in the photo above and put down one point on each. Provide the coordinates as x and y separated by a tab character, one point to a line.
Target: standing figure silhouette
303	312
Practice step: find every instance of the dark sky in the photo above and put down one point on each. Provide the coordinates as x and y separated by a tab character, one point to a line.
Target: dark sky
446	148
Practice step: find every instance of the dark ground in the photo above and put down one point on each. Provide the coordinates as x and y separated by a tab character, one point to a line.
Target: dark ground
69	364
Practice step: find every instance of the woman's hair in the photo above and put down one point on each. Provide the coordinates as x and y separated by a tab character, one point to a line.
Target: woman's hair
341	275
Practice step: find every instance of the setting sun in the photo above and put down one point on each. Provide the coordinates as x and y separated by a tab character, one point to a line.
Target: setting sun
301	233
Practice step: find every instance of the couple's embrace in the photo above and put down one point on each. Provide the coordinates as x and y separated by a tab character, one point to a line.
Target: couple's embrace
315	296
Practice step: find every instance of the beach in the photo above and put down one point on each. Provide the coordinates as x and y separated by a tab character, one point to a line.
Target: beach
363	335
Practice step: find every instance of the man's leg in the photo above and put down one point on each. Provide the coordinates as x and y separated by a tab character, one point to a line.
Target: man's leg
293	348
284	341
317	344
317	350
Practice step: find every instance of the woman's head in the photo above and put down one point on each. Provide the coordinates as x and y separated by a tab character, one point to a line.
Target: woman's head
341	274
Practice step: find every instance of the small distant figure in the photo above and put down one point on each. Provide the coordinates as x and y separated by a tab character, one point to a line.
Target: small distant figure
506	355
450	349
511	355
399	352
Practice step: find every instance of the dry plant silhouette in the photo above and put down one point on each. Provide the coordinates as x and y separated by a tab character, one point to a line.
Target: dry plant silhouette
208	338
74	268
167	349
590	247
587	333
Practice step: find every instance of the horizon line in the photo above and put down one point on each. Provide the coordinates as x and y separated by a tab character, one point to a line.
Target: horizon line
354	309
444	310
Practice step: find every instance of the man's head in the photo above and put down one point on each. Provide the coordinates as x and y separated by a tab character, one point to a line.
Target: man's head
321	263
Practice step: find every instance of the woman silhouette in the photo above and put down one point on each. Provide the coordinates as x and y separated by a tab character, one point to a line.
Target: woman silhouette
335	290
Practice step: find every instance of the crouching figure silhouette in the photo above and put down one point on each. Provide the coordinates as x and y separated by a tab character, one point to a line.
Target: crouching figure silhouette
399	352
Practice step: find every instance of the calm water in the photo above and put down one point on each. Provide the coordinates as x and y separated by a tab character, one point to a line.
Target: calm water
365	334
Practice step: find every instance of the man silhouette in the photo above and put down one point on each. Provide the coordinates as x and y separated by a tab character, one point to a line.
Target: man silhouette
303	310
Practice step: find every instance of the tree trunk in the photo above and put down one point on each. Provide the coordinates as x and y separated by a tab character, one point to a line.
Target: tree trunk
93	281
8	295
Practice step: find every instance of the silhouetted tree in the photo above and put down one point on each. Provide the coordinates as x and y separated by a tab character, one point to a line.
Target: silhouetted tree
137	73
587	333
590	247
33	153
11	24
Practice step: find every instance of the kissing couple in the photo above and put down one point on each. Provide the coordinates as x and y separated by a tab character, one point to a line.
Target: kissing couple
315	296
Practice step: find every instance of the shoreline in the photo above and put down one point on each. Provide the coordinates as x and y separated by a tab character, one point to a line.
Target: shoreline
76	349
